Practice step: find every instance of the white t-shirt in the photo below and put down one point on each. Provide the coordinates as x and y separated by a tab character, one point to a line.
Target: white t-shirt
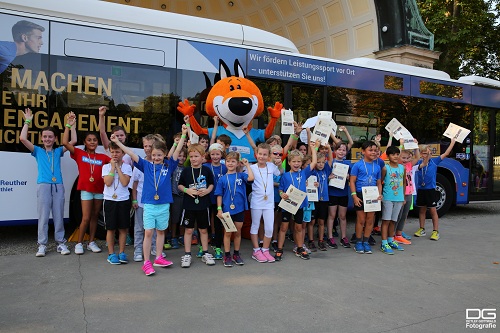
117	188
138	175
263	185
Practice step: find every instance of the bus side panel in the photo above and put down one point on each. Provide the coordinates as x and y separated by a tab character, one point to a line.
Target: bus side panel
461	176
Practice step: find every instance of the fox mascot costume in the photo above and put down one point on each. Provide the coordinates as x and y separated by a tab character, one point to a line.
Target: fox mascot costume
236	101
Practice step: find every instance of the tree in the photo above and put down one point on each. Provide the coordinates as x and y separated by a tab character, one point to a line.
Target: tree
467	34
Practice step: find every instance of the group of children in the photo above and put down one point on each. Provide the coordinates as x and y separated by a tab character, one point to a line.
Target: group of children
186	190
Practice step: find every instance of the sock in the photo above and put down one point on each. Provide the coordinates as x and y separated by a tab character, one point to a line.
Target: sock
265	249
227	254
187	253
384	241
390	239
237	252
256	249
205	252
275	241
359	240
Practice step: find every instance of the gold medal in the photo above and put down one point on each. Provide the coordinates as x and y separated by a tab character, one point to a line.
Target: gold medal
232	206
54	179
114	196
265	197
91	179
156	197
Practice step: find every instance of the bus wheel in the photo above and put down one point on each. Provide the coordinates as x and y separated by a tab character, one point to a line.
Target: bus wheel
445	194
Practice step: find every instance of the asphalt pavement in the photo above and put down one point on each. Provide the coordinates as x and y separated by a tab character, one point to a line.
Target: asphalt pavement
426	288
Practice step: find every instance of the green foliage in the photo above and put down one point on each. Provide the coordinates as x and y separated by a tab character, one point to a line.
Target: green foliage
466	32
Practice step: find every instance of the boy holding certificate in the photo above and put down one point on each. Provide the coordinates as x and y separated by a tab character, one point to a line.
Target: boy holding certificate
297	178
365	174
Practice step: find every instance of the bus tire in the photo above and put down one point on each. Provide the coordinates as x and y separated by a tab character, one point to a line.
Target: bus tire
445	194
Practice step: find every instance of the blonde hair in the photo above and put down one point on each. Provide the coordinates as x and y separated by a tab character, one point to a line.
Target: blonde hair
276	148
264	146
234	155
295	153
425	148
196	147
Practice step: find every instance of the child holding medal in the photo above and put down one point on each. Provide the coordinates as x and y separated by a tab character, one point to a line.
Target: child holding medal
156	196
232	197
50	188
90	184
426	188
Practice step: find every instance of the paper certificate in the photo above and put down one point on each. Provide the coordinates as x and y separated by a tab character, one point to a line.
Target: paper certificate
295	199
456	132
310	122
287	122
312	191
339	172
193	137
394	127
227	222
371	203
410	144
322	130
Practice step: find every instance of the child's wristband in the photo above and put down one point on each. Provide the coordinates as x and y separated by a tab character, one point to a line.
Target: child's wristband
111	174
185	190
188	125
295	137
183	136
219	208
68	125
27	121
134	201
316	148
175	144
353	193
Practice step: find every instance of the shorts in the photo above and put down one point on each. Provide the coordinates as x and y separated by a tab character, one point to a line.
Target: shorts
116	214
190	218
339	201
156	216
391	210
427	198
308	215
238	217
361	208
298	217
84	195
322	210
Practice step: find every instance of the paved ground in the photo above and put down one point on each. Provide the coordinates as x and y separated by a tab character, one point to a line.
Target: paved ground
426	288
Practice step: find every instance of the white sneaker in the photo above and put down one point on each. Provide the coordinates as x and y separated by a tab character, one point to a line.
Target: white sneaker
93	247
63	249
41	251
186	261
137	256
208	259
79	248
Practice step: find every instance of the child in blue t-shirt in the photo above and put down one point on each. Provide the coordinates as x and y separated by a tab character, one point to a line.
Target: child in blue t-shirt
297	178
365	172
156	196
393	191
426	188
232	197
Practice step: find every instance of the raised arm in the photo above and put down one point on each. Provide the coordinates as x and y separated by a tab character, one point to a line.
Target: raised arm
330	155
185	130
349	139
449	149
416	156
23	137
213	138
102	127
250	140
126	150
314	153
71	120
249	170
69	145
292	140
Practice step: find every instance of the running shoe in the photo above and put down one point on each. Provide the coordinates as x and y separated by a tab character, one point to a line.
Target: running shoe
420	232
162	262
386	248
367	247
321	245
137	256
376	230
113	259
279	255
167	245
359	247
268	256
181	240
371	240
129	240
92	246
259	256
147	268
200	252
218	254
302	254
237	260
331	243
345	242
435	235
79	248
194	239
401	239
186	261
228	262
294	250
394	245
335	233
406	236
208	259
312	246
41	251
274	245
353	238
63	249
306	249
123	258
175	243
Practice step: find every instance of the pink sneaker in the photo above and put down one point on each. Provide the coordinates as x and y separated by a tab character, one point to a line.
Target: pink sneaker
268	256
147	268
259	256
162	262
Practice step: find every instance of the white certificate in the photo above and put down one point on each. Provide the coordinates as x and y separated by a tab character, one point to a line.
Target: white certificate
310	122
456	132
312	191
287	122
228	223
295	199
371	203
322	130
410	144
193	137
325	114
339	172
394	127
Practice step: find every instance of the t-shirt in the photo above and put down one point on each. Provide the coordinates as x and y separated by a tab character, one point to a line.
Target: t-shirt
276	179
198	178
366	173
90	167
263	186
218	172
393	190
8	52
175	180
160	174
49	165
297	179
232	188
117	188
138	176
410	185
426	176
240	143
322	176
340	192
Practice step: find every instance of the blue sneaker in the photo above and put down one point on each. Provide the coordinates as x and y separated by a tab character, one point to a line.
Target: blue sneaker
181	240
200	252
405	236
129	240
386	249
113	259
367	247
218	254
122	257
359	248
394	245
175	243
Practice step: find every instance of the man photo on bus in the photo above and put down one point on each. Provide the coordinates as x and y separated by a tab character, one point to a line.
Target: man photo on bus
27	38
